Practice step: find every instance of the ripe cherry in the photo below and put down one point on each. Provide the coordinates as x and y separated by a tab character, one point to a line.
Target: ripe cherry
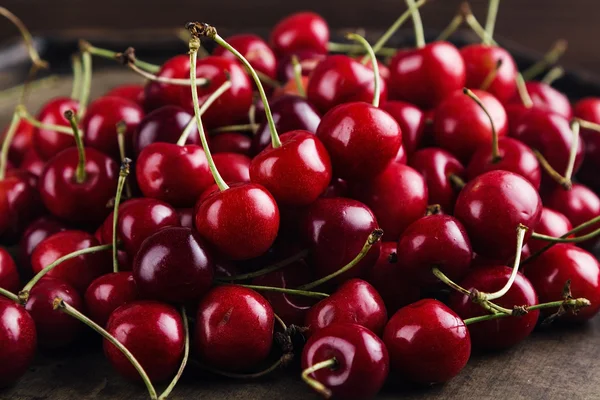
308	60
21	142
233	167
256	51
186	217
160	94
9	277
588	109
552	223
300	32
411	120
32	163
47	142
20	204
548	99
19	342
107	293
131	92
35	233
231	142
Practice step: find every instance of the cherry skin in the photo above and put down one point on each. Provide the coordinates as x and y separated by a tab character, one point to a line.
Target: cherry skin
397	197
32	163
19	342
75	202
548	99
297	172
231	142
588	109
361	140
153	333
337	188
551	270
165	124
54	328
552	223
308	60
362	360
481	61
22	142
47	142
131	92
107	293
435	166
427	342
234	328
35	233
300	32
504	332
411	120
335	230
492	206
174	174
101	119
514	157
158	94
9	277
233	167
355	301
341	79
254	49
186	217
426	76
20	204
461	126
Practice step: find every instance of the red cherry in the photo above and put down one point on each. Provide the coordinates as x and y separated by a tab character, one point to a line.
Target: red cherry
48	143
428	343
425	76
35	233
131	92
551	270
481	60
233	167
505	332
492	206
158	94
300	31
32	163
588	109
337	188
101	118
548	99
401	157
231	142
361	360
20	204
22	141
435	166
186	217
256	51
19	342
308	60
153	333
552	223
234	328
9	277
107	293
411	120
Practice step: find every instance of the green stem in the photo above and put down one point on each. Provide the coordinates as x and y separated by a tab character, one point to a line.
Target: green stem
80	173
86	84
186	354
113	55
553	75
77	76
236	128
573	151
315	384
558	178
169	81
123	173
487	82
267	270
60	305
9	295
550	58
267	80
476	26
8	138
121	130
27	38
456	181
588	125
353	48
577	239
298	76
374	64
523	92
495	154
490	22
454	24
297	292
417	23
23	113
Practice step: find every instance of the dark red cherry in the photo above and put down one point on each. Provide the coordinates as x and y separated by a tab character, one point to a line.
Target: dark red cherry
425	76
107	293
461	126
22	142
514	157
362	362
427	342
35	233
355	301
77	202
131	92
300	31
337	188
231	142
492	206
256	51
435	241
54	328
308	60
550	271
435	166
234	328
336	229
361	140
552	223
233	167
186	217
174	174
341	79
588	109
32	163
165	124
411	120
397	197
19	342
100	120
295	173
9	277
20	204
504	332
153	333
481	60
78	272
159	94
240	222
48	142
401	157
548	99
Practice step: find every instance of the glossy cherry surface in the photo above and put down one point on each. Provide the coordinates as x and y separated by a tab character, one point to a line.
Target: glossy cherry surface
588	109
22	141
548	99
32	162
107	293
159	94
35	233
131	92
308	60
300	31
552	223
20	204
411	120
231	142
19	341
48	142
254	49
9	277
233	167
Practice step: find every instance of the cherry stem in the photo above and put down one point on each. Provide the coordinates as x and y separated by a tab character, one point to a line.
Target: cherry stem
573	151
297	67
454	24
558	178
490	22
86	84
417	23
60	305
267	80
373	238
553	75
252	118
37	61
577	239
214	96
8	138
123	173
23	113
170	81
313	383
77	76
236	128
495	154
588	125
433	209
353	48
9	295
297	292
121	130
186	354
456	181
523	92
374	65
489	79
194	45
267	270
80	174
24	294
549	59
113	55
48	81
475	25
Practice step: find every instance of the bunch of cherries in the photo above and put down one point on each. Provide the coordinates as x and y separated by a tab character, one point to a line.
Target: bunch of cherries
393	212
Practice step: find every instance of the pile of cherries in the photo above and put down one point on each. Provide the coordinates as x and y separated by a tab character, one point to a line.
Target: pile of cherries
259	210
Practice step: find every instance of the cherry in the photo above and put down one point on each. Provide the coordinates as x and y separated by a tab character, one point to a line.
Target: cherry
256	51
588	109
560	263
337	188
20	204
159	94
101	118
548	99
234	328
108	292
36	232
153	332
552	223
19	342
513	155
308	60
300	31
47	142
397	197
346	361
411	120
186	217
231	142
481	61
427	342
21	142
54	329
492	206
131	92
505	332
9	277
436	166
32	163
233	167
